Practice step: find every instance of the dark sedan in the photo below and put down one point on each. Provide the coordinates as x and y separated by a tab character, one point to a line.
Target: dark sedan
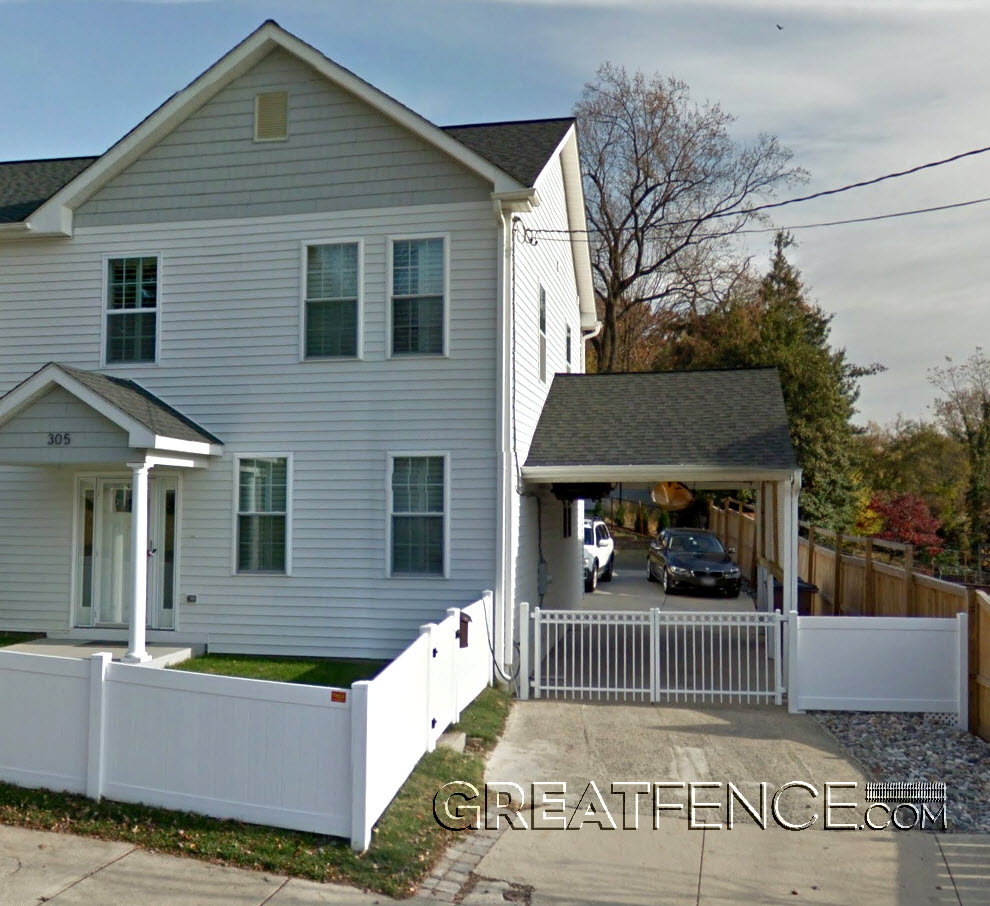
692	559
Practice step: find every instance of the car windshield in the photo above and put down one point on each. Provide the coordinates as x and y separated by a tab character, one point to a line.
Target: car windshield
589	535
696	544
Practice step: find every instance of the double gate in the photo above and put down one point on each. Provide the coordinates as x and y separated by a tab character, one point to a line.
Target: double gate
654	656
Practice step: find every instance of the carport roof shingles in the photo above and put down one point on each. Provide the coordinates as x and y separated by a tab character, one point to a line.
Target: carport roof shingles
719	419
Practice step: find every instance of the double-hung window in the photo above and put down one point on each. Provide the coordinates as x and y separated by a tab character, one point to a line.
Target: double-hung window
263	514
331	314
131	310
418	515
543	335
418	294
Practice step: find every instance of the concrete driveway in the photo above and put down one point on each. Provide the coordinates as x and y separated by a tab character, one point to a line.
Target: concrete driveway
578	743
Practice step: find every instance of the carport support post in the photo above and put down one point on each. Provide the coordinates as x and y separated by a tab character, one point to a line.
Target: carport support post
136	652
524	629
789	492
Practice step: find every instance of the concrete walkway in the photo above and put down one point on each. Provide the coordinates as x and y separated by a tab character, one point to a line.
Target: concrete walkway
38	867
578	743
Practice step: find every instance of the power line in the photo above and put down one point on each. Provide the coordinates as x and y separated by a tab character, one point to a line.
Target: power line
825	192
565	237
828	223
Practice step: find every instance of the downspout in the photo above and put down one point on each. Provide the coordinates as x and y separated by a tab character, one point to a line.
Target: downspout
504	596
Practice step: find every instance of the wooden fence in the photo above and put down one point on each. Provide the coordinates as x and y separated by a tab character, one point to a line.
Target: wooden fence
870	577
735	524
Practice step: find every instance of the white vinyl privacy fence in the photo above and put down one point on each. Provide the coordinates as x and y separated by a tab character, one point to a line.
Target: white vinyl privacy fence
881	664
304	757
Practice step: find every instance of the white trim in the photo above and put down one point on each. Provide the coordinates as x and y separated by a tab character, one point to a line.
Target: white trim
104	310
651	474
139	436
390	458
390	240
303	288
289	481
54	217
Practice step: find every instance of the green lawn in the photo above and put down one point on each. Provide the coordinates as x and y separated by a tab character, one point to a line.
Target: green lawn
407	841
310	671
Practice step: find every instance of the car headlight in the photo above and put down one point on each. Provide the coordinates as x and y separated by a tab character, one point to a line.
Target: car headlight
679	571
732	573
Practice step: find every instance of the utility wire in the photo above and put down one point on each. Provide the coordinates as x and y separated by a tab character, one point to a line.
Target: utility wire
810	226
544	233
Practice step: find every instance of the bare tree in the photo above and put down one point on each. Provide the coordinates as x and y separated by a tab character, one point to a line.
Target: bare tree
964	412
666	190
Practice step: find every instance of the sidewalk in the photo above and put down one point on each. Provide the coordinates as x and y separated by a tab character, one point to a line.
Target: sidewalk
39	867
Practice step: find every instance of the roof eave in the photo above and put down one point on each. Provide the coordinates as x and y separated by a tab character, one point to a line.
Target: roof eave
54	217
648	473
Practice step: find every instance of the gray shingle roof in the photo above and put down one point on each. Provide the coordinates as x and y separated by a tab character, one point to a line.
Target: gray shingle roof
144	407
722	419
521	148
27	184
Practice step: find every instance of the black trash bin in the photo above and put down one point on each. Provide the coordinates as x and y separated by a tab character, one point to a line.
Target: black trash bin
805	591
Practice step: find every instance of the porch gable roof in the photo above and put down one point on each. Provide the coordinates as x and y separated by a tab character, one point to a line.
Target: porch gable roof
700	425
150	423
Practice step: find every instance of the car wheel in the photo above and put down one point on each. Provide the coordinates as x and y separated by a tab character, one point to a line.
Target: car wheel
591	583
607	575
666	582
649	571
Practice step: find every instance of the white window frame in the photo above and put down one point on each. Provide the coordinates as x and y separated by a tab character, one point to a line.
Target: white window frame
568	346
541	328
236	502
390	458
389	247
104	308
334	240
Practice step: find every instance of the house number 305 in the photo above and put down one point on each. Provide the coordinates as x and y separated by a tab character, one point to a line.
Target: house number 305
59	440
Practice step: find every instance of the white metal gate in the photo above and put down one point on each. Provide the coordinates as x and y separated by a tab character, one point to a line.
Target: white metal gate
655	656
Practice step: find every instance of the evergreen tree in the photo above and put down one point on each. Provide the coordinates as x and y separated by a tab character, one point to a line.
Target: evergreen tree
772	323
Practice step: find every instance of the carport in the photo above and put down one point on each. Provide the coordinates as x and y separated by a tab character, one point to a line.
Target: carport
708	430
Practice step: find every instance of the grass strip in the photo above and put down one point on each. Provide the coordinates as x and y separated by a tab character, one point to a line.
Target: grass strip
406	844
339	672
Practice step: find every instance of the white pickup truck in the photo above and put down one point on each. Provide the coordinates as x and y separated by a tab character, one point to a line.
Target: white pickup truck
599	553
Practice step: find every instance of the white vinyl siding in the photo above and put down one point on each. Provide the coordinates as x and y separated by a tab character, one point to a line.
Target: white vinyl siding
547	266
231	329
263	500
131	318
418	296
331	308
417	515
341	155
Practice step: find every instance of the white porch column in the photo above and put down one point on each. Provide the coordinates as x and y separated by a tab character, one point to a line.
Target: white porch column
136	653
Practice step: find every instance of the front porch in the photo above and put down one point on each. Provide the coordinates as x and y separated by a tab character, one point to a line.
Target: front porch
159	653
120	452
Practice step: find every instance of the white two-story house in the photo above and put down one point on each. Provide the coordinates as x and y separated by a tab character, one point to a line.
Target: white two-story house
271	366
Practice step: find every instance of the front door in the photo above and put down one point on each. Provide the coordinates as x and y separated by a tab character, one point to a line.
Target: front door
104	558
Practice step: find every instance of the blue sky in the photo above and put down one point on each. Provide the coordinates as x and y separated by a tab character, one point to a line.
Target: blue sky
854	89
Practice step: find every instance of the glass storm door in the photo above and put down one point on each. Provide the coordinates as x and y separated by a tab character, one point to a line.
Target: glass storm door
104	559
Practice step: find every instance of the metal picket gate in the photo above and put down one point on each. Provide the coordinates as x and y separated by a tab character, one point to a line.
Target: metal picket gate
655	656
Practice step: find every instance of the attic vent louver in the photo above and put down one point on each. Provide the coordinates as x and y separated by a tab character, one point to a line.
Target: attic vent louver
271	116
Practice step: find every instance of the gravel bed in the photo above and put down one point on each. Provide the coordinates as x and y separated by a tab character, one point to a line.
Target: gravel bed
921	747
